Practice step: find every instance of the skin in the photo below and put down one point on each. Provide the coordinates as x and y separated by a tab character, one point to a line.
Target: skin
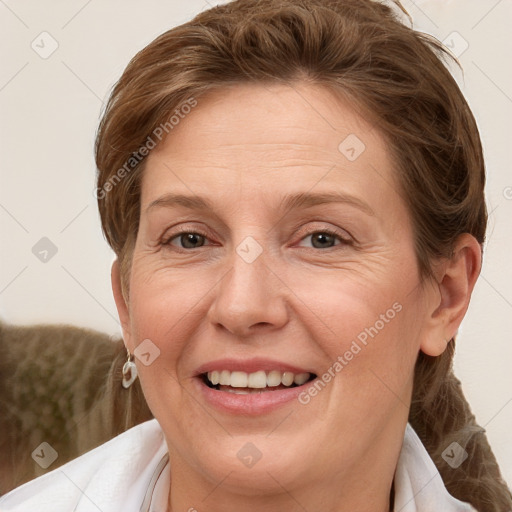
302	301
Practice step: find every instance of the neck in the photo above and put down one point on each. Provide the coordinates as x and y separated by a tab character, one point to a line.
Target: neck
365	487
343	499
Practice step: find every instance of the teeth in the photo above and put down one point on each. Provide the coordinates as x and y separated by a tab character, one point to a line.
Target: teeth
301	378
239	380
225	378
238	391
287	378
273	379
256	380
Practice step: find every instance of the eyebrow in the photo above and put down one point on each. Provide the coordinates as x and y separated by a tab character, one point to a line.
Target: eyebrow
289	201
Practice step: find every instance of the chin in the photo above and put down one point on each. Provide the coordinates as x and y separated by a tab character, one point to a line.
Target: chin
254	465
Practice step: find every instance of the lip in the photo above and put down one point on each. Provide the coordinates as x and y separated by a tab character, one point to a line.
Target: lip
249	366
252	404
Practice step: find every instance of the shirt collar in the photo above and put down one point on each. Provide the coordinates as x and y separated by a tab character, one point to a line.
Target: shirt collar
418	484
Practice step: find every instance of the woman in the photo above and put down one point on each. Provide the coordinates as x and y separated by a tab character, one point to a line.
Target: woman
294	191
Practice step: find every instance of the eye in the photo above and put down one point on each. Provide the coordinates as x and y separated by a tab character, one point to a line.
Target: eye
320	239
186	240
326	239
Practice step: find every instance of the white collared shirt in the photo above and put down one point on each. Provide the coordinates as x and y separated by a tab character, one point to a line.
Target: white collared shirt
131	473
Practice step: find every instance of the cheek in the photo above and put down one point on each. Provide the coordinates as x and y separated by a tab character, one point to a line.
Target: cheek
374	301
165	300
368	327
167	311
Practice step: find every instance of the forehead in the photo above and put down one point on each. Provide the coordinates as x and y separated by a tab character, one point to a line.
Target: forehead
251	138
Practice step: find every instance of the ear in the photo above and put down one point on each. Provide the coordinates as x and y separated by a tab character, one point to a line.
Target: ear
122	307
454	283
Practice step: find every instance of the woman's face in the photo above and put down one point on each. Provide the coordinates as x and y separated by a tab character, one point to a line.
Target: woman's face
274	245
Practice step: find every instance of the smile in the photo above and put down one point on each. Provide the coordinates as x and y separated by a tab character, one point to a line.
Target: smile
240	382
250	387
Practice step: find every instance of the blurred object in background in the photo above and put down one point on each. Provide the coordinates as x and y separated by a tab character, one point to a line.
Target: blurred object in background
60	385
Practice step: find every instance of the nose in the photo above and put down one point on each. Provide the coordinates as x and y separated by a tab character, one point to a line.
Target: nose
250	299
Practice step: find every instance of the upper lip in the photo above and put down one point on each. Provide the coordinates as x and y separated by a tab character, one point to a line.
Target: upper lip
249	366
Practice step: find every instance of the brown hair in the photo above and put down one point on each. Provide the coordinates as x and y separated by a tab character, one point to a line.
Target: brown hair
362	50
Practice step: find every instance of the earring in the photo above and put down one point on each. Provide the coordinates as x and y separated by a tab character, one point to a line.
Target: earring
129	371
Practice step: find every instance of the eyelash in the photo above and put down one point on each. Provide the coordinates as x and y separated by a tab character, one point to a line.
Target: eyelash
181	231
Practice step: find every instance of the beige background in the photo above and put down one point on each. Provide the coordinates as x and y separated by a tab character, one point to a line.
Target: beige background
49	113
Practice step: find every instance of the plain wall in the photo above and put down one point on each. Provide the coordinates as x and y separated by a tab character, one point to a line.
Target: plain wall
49	114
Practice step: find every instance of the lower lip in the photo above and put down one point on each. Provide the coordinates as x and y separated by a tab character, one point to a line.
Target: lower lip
250	404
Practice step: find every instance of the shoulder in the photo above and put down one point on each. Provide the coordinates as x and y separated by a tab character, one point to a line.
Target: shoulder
105	478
